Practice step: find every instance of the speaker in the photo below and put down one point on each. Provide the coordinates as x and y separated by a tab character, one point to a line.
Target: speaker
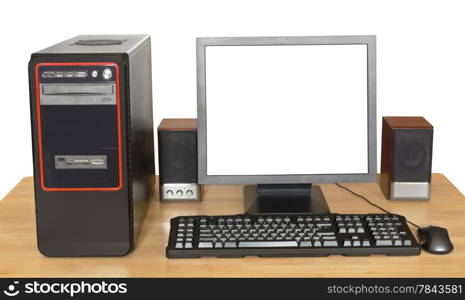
177	156
406	157
93	143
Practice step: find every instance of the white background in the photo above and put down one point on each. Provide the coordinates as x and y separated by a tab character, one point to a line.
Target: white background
420	50
275	110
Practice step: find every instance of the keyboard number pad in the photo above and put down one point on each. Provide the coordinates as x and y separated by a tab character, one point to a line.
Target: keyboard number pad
185	234
386	230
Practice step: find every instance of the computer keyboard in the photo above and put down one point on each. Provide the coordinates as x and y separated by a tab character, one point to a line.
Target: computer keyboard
280	235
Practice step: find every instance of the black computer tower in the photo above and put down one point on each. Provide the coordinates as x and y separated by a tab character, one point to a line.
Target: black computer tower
93	149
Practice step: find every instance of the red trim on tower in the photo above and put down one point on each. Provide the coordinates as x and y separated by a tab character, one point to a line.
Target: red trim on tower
39	126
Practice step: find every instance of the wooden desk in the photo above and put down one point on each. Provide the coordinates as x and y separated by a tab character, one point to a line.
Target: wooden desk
20	258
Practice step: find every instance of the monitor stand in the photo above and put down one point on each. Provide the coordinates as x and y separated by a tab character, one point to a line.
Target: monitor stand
284	198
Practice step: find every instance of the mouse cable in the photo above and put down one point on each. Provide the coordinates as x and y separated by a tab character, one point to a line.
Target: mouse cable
369	202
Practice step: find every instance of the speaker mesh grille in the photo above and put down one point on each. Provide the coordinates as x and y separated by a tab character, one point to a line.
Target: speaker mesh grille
178	156
412	155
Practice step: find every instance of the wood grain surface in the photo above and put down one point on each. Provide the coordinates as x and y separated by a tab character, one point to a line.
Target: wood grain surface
19	256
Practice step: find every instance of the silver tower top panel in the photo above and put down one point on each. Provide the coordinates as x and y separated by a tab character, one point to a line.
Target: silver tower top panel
118	43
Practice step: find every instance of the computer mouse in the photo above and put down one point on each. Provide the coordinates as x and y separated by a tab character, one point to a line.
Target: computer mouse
435	240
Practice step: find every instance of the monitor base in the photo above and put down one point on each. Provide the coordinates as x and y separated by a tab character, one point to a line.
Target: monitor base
284	198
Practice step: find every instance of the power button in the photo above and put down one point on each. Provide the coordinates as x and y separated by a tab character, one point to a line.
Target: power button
107	74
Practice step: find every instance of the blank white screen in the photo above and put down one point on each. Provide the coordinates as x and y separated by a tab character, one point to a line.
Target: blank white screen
282	110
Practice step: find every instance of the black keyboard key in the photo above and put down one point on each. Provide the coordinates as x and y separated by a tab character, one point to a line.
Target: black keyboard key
325	233
205	245
266	244
383	243
305	244
332	243
230	245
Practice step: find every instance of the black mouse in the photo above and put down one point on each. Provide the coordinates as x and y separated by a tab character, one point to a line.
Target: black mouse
435	240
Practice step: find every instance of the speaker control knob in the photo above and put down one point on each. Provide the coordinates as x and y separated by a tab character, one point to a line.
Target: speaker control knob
169	192
189	193
179	193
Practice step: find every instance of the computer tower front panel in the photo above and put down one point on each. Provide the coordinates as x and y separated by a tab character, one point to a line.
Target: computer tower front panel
79	126
83	204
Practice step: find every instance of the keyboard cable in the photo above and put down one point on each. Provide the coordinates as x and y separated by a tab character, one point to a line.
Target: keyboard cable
369	202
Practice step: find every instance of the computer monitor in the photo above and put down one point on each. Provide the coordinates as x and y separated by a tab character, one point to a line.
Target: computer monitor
285	112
